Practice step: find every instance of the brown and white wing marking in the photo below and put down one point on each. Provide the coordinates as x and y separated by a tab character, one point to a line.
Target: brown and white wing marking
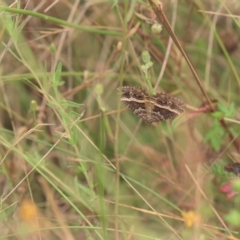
151	108
134	99
167	106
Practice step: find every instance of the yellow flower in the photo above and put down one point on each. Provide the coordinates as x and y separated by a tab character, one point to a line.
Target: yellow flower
28	211
190	218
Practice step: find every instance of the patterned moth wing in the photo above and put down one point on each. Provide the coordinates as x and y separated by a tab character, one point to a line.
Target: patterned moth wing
155	108
167	106
134	99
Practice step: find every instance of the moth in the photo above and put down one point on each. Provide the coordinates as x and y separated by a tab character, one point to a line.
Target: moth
233	168
158	107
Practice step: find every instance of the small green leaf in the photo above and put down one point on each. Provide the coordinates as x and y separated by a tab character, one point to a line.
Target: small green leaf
146	57
57	75
149	64
70	104
218	114
233	217
58	72
60	83
8	23
227	111
75	114
222	107
215	135
232	110
73	137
